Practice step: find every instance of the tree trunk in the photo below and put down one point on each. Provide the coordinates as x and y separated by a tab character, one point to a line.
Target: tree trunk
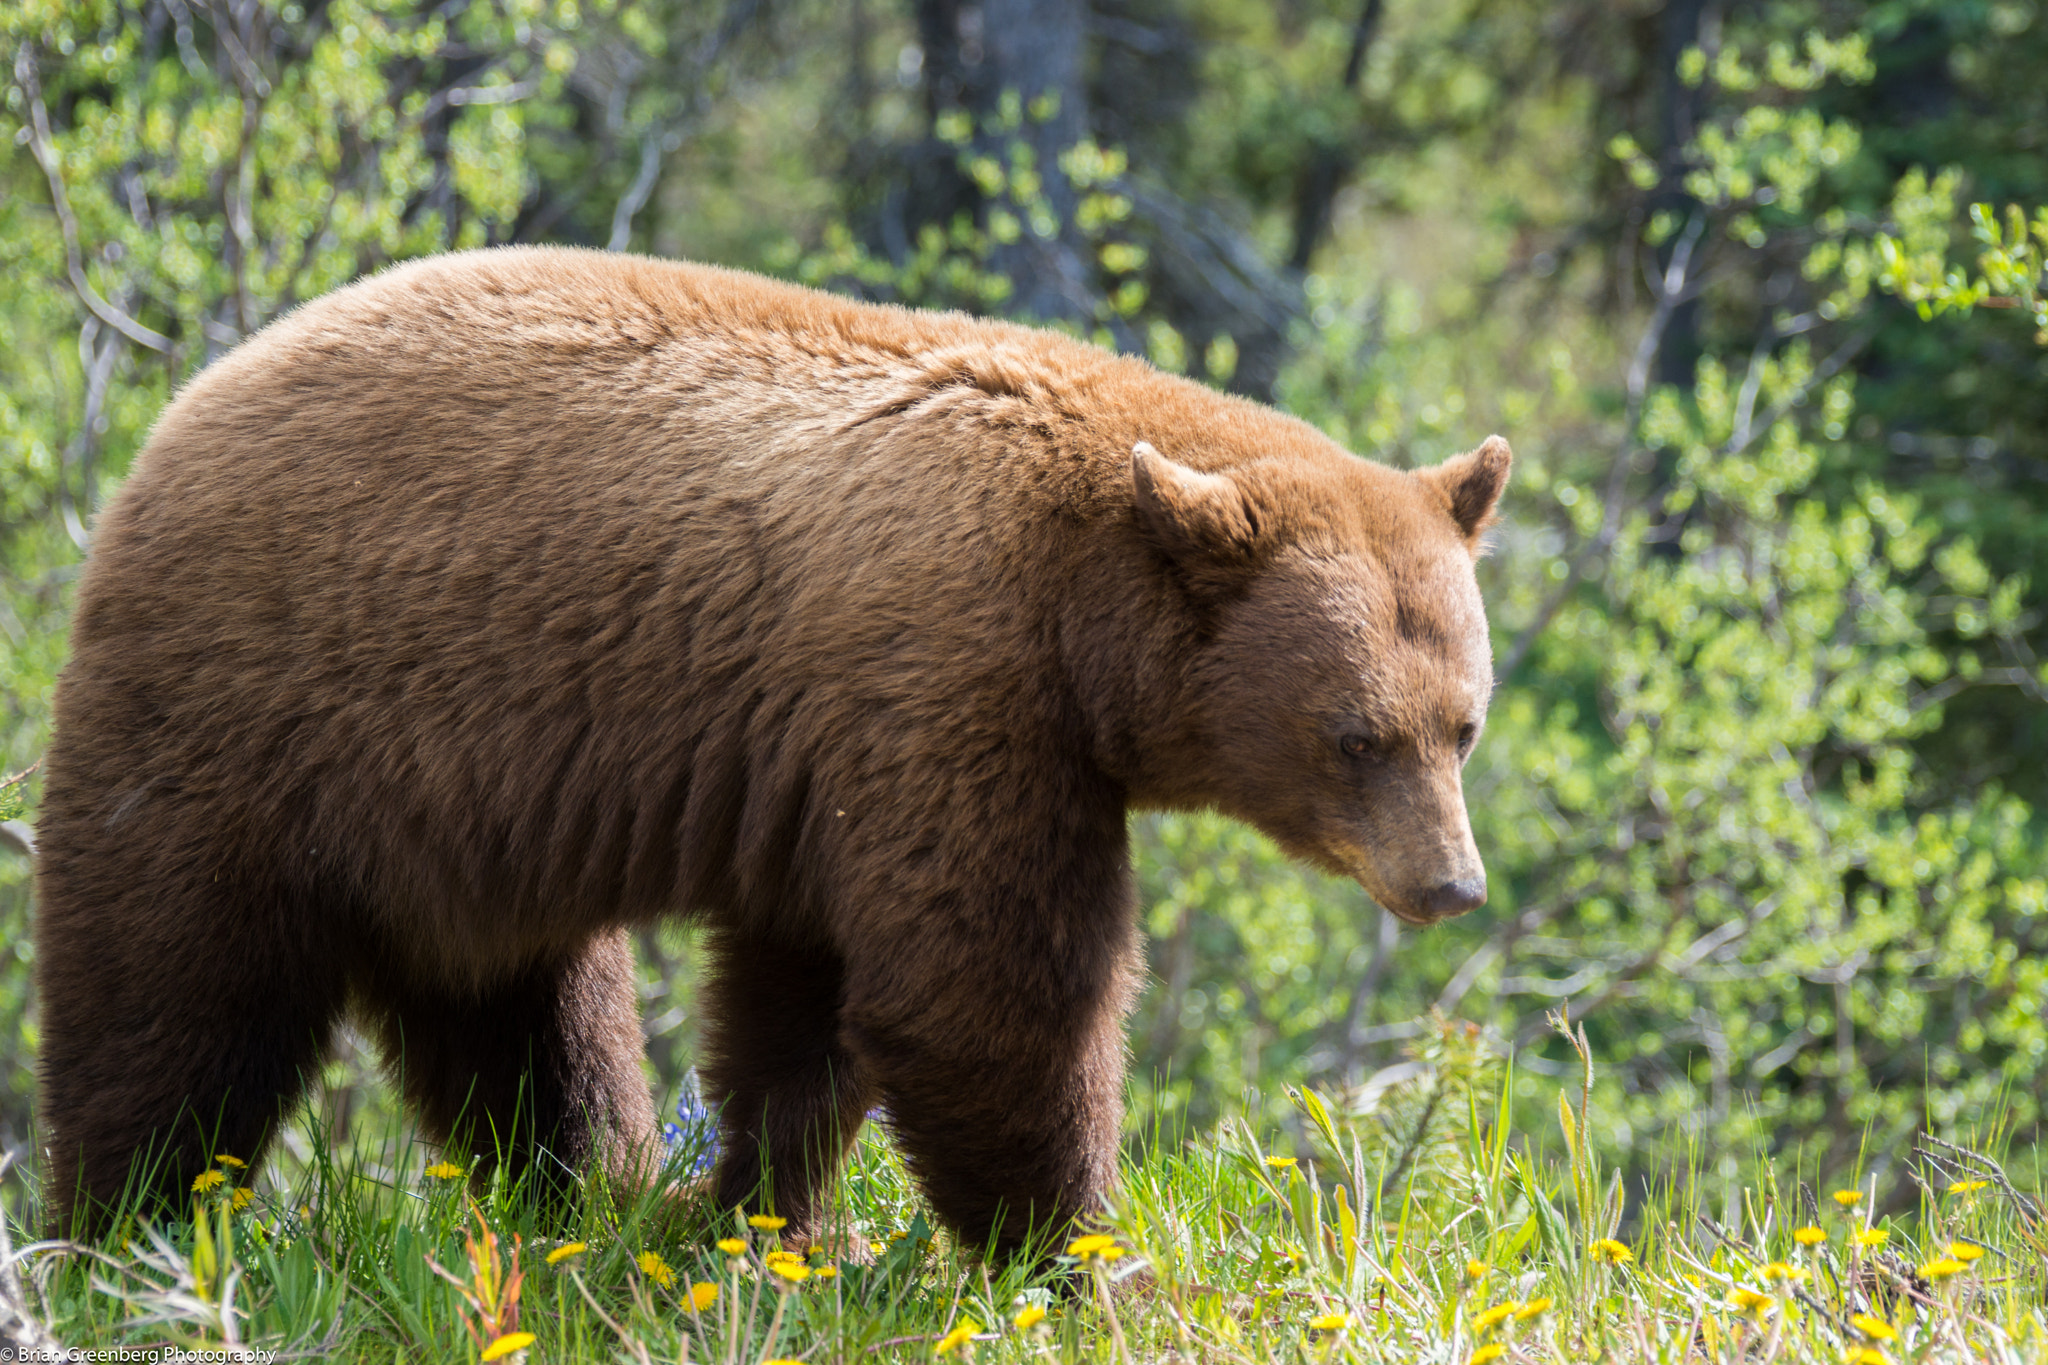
975	54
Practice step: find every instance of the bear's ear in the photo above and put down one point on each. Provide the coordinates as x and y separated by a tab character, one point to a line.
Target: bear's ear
1471	485
1202	520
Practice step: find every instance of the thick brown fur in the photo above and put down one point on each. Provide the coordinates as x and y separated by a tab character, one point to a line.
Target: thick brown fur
484	609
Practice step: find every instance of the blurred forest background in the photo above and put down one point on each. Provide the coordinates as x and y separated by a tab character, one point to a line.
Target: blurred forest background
1763	792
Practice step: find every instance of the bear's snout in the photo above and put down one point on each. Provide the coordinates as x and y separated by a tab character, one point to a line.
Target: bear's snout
1427	905
1455	897
1411	848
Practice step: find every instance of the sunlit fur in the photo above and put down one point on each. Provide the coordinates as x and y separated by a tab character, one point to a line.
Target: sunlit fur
474	614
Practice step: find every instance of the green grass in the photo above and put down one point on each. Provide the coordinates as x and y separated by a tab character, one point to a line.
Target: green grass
1398	1232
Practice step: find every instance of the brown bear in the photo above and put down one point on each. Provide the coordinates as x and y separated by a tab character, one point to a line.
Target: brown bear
473	615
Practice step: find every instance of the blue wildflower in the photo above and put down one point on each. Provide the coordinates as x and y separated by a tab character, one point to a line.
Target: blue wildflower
693	1137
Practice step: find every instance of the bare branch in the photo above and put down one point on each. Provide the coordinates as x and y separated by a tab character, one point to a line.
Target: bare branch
1981	1165
1633	970
188	51
1669	287
240	193
246	74
636	196
1464	978
20	1328
1610	525
1752	384
45	153
1990	677
464	95
98	360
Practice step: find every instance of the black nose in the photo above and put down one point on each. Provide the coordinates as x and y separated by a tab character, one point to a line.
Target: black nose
1455	898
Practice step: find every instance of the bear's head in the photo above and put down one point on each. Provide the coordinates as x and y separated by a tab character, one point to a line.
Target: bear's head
1343	667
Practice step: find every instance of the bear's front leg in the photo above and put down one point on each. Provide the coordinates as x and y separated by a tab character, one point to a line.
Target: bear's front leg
998	1049
790	1097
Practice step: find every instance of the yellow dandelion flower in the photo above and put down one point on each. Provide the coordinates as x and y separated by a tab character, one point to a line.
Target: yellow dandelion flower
1028	1319
1968	1186
565	1251
961	1334
1282	1163
898	1235
1872	1237
775	1258
1494	1317
1330	1322
1093	1245
655	1269
826	1272
1848	1199
444	1170
1534	1308
1941	1268
223	1159
1778	1270
703	1294
1877	1329
241	1199
878	1247
208	1180
1964	1251
1611	1252
796	1272
1750	1301
767	1222
507	1344
1476	1269
1492	1350
1864	1355
1808	1236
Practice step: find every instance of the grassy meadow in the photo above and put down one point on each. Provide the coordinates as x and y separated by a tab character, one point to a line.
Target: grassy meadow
1417	1223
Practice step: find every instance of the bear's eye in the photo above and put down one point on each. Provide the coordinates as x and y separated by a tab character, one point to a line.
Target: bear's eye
1466	734
1357	746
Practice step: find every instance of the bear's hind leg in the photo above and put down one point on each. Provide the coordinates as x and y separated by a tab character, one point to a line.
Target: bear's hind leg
791	1099
179	1025
541	1070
